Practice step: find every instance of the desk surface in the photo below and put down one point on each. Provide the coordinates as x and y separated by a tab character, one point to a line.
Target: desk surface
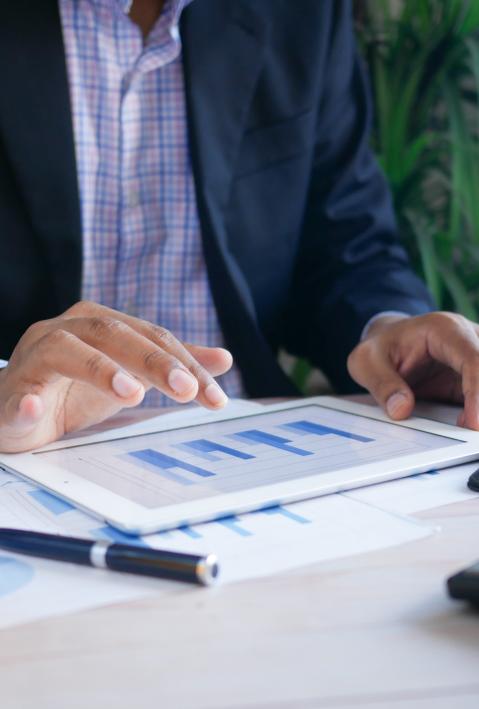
370	631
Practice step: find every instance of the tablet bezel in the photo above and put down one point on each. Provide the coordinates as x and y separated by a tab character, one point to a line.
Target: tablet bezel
132	518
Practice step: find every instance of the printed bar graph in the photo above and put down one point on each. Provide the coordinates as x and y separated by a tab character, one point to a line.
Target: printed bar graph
191	533
50	502
115	535
293	516
165	462
305	427
257	436
204	449
424	476
14	575
231	523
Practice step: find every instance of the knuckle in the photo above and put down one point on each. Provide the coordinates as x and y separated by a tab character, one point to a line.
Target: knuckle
163	336
446	319
82	307
35	330
55	338
94	365
104	328
199	372
361	354
49	345
154	360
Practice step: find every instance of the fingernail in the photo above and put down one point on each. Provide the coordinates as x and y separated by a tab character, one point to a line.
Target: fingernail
226	353
395	403
124	385
181	382
215	395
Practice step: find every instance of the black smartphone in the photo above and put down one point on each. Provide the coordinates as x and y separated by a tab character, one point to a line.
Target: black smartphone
465	585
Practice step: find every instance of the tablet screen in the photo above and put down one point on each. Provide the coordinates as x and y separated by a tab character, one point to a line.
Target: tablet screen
195	462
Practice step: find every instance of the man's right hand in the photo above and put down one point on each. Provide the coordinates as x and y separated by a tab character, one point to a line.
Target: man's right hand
82	367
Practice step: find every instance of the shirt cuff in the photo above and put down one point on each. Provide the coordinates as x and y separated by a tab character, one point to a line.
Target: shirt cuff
385	313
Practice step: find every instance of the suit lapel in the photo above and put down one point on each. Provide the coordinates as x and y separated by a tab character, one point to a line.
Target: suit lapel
36	129
223	54
224	43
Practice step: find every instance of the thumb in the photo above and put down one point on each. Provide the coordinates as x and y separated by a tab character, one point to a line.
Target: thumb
373	370
22	411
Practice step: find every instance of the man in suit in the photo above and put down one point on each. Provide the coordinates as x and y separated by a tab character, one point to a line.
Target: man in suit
177	176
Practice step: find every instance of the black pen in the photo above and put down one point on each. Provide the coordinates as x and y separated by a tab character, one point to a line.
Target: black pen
117	557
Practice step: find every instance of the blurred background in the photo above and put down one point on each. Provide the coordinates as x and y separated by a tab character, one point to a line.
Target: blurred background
423	60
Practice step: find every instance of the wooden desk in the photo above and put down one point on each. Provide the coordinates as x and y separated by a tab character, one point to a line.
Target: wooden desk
374	631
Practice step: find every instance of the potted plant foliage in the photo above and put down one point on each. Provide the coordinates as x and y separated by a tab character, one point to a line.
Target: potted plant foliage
423	58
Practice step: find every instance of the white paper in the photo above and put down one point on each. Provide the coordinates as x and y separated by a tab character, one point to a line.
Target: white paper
288	536
420	492
248	546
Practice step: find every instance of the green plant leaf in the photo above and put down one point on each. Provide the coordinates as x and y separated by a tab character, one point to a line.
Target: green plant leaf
462	299
424	58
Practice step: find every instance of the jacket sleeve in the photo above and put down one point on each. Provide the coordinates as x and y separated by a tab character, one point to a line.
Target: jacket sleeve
351	264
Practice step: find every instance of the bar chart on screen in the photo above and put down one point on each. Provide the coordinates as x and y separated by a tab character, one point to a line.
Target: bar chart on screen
192	463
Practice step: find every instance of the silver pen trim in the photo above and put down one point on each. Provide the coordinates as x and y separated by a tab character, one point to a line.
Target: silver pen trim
207	570
98	553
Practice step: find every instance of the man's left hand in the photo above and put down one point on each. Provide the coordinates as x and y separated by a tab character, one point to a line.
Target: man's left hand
433	356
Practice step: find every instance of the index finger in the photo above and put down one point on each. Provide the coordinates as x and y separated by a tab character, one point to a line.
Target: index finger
457	347
209	393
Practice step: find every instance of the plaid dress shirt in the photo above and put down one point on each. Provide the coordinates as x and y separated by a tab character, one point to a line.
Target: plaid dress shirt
142	249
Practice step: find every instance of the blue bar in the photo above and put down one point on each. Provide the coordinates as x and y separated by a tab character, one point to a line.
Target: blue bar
192	533
256	436
232	524
289	429
319	430
14	575
165	462
423	475
118	537
286	513
168	474
205	456
52	503
204	448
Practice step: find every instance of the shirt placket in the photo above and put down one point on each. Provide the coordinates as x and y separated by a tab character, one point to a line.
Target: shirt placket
130	225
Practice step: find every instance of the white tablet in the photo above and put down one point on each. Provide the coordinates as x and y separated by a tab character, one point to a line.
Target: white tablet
154	481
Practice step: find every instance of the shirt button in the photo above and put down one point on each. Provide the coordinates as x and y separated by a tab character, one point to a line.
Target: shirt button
133	199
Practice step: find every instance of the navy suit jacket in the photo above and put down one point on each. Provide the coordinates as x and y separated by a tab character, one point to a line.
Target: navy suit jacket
298	229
